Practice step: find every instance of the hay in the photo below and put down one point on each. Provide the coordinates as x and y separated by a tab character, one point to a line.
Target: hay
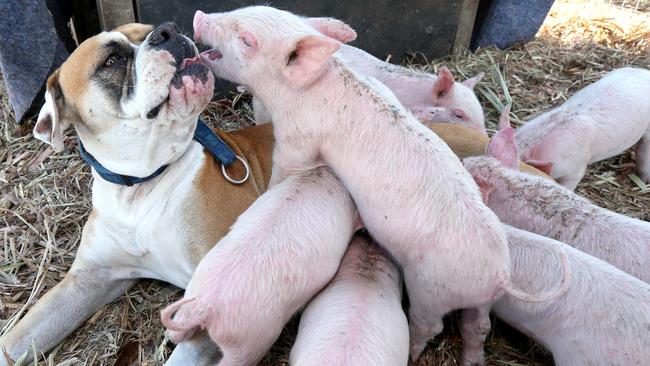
45	199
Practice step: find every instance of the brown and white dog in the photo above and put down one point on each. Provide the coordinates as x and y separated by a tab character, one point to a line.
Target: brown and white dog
134	99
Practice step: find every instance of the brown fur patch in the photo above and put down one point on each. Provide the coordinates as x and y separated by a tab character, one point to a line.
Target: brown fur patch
75	73
215	203
135	32
466	142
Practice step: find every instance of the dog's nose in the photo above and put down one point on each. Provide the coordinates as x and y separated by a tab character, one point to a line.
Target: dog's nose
163	33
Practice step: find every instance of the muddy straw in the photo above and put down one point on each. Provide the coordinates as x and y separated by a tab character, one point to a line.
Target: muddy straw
45	198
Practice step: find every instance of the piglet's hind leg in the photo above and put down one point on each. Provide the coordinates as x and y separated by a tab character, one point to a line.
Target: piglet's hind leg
570	181
475	328
642	151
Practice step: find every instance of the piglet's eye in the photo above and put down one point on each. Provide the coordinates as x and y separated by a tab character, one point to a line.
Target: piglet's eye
458	114
243	39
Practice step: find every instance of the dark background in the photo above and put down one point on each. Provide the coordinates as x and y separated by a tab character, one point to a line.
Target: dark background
384	27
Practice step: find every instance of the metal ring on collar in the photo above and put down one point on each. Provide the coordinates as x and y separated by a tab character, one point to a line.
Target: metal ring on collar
235	181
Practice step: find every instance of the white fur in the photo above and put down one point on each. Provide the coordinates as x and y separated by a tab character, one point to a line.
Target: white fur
129	232
49	114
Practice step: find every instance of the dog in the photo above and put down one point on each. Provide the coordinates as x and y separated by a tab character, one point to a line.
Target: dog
133	96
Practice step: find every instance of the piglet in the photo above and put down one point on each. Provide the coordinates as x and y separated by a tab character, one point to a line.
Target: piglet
538	205
603	319
413	194
599	121
358	318
279	253
429	97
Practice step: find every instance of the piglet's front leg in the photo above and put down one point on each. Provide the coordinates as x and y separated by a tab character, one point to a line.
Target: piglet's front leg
288	162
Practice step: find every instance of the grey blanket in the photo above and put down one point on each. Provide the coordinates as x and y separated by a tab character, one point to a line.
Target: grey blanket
29	50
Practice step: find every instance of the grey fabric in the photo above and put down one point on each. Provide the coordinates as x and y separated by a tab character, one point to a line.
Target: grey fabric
508	22
29	50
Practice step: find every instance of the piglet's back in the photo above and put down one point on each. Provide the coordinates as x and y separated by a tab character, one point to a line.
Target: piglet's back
603	318
358	318
415	170
543	207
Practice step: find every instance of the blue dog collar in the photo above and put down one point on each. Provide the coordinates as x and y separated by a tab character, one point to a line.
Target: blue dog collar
215	145
203	134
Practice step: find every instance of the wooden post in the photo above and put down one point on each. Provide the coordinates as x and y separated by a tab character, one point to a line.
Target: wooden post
465	25
113	13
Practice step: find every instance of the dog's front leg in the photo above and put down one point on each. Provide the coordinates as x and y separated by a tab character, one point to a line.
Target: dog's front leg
61	310
198	350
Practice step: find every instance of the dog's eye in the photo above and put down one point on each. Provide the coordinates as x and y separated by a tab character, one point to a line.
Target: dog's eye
113	60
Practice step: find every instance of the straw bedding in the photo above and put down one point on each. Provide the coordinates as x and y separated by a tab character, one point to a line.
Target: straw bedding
45	199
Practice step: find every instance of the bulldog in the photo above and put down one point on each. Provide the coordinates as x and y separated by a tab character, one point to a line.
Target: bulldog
133	96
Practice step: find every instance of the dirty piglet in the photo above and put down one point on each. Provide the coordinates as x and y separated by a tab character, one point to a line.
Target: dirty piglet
431	98
279	253
538	205
358	318
604	317
412	193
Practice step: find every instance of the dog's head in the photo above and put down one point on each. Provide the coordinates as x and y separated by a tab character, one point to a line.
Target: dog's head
133	95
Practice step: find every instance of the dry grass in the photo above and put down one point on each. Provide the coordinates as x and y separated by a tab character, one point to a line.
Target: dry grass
45	199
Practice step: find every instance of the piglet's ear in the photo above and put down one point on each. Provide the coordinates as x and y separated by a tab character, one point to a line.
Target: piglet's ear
484	186
307	57
49	127
502	146
471	82
443	84
333	28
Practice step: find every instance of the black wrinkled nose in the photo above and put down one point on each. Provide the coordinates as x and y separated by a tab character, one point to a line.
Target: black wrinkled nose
167	37
163	33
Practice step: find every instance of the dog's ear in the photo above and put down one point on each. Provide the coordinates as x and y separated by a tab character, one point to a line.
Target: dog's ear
306	58
49	125
135	32
333	28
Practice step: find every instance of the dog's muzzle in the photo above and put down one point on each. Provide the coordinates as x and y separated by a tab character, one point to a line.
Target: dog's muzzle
167	37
